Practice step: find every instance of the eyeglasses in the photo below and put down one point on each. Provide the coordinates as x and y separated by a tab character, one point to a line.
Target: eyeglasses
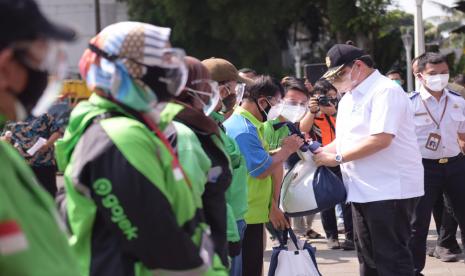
294	103
272	100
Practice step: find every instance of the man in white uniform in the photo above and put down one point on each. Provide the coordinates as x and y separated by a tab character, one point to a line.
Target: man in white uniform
380	160
440	128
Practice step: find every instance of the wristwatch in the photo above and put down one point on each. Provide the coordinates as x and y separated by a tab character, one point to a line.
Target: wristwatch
338	158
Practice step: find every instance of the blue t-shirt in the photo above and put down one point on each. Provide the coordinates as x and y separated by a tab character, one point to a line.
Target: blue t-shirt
246	136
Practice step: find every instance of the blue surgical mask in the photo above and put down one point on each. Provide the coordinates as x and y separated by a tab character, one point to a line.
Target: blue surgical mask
399	82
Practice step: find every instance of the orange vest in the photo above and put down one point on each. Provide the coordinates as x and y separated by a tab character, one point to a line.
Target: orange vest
327	133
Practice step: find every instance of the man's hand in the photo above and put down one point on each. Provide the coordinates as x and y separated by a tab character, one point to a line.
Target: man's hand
6	137
292	143
313	105
44	148
325	159
277	218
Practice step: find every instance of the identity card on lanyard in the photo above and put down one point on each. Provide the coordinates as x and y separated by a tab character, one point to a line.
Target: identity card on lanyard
434	138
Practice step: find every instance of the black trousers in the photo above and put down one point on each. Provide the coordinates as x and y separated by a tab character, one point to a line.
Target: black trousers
448	232
447	179
438	211
446	224
328	217
381	234
47	177
329	221
252	250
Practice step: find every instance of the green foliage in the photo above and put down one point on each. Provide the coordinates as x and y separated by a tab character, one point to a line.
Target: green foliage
254	33
389	50
249	33
458	67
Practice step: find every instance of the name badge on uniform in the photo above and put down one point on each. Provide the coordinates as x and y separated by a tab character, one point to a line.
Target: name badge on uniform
432	143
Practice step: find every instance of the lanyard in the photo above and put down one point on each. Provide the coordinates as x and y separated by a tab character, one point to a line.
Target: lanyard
431	116
177	168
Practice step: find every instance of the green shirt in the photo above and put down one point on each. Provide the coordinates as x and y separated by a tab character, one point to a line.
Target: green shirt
274	137
259	190
31	241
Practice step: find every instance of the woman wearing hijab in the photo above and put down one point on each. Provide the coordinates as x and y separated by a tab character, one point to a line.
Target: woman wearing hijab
200	149
129	206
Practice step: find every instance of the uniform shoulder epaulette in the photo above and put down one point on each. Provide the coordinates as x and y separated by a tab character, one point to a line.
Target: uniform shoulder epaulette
413	95
455	93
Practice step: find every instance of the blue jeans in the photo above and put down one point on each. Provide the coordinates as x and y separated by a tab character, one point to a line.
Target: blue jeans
236	263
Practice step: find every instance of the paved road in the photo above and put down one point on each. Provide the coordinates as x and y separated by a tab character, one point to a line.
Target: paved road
344	263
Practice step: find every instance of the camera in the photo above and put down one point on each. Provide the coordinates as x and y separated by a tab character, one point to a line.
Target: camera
323	100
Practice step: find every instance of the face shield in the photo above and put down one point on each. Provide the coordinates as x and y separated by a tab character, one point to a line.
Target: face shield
205	89
292	111
167	72
45	62
240	88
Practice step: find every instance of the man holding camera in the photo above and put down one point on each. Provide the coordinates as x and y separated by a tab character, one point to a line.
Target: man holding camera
380	161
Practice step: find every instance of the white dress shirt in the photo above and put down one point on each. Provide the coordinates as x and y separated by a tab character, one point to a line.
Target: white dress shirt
378	105
452	123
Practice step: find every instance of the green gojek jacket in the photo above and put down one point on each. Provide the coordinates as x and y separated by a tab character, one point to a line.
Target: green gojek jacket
210	182
129	209
32	237
236	195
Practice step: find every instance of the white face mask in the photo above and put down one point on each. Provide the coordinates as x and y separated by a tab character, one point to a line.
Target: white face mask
437	82
274	112
346	83
293	113
213	94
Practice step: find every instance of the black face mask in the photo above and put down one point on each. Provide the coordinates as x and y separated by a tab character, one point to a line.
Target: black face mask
264	112
229	102
36	83
163	90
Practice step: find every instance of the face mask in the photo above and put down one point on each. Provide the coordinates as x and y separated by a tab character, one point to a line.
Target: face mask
347	83
229	102
213	95
293	113
36	83
399	82
166	83
274	112
264	111
436	83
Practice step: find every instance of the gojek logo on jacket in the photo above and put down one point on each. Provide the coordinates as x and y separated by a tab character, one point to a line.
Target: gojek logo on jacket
103	188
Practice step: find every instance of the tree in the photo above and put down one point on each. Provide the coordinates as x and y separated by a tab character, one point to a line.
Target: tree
255	33
249	33
446	35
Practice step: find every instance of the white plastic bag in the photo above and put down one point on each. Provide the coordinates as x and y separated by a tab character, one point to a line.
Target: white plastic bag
295	263
297	193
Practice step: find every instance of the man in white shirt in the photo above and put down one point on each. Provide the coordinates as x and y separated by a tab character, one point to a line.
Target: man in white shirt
440	127
380	160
